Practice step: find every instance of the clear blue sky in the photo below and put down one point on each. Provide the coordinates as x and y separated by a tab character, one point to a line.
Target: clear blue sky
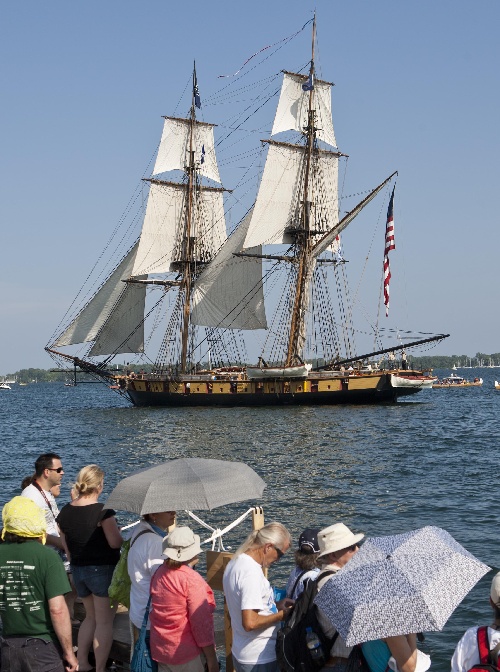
84	85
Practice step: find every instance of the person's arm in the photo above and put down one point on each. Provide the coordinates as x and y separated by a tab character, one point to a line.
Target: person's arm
210	655
59	616
65	545
112	532
252	620
54	541
404	650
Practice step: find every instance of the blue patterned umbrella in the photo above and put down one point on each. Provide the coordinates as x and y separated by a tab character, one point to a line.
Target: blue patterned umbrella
400	584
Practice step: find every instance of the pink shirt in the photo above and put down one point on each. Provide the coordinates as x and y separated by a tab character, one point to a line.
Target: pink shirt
182	621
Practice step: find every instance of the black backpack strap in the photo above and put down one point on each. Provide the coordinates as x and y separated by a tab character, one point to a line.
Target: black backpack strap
297	581
323	575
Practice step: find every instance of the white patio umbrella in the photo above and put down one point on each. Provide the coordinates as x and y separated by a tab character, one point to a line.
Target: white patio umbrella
400	584
188	483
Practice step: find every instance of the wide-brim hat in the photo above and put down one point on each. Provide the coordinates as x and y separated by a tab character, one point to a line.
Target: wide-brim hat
336	537
181	545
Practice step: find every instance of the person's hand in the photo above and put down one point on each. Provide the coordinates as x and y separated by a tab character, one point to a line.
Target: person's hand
285	605
71	662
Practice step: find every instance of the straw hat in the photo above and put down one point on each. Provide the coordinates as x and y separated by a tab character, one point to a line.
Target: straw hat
181	545
335	538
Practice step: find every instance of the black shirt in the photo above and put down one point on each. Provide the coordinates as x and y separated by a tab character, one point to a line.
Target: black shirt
85	538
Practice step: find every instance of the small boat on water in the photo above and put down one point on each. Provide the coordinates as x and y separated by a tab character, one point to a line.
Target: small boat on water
5	386
457	381
497	385
401	379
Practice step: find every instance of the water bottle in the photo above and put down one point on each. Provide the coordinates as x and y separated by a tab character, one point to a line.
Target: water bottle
314	645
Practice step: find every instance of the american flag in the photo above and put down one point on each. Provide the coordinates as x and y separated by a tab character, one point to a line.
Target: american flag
389	245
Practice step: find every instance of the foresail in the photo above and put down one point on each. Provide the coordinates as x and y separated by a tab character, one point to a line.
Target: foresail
229	291
173	153
280	193
124	328
293	107
160	228
86	326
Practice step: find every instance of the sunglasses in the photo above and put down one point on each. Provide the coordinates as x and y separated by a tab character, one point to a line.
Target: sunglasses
353	548
58	469
278	551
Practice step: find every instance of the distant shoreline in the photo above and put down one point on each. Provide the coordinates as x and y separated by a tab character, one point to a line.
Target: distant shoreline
479	361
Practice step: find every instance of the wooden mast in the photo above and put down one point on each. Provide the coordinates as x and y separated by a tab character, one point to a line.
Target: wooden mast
186	283
303	235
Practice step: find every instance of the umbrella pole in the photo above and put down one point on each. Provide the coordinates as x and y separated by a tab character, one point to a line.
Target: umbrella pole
217	562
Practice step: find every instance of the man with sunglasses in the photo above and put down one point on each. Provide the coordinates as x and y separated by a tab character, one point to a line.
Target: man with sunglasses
48	472
337	545
249	597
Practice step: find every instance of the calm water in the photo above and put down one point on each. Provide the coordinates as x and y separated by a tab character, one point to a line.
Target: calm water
380	470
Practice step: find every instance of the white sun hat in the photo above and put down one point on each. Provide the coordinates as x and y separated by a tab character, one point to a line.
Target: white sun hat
336	537
181	545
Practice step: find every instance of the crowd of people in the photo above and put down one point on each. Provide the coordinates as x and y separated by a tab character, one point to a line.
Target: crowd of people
49	556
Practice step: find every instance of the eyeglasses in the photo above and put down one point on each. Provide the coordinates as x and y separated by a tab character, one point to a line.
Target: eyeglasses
353	548
278	551
58	469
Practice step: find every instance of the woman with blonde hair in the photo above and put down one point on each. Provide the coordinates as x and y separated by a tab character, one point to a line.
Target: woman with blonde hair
92	540
182	607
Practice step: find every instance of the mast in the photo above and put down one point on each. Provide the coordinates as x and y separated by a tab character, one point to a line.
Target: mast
186	283
303	234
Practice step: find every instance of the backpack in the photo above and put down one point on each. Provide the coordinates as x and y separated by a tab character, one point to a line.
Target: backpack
119	588
356	661
291	648
485	655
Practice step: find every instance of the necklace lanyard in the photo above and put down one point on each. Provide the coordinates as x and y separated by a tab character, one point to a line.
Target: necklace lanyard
42	491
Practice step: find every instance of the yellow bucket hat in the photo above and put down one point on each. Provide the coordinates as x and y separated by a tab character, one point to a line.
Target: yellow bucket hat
23	517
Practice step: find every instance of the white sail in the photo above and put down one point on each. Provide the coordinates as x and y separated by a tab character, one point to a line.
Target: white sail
164	212
160	242
209	223
280	193
229	291
173	153
293	107
91	320
124	328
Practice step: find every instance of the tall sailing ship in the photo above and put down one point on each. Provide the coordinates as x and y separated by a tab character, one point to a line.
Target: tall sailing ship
208	290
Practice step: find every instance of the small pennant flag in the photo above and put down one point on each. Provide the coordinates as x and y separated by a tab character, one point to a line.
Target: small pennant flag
389	245
196	91
309	85
202	154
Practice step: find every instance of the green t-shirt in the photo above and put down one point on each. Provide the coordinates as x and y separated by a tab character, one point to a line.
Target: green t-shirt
30	575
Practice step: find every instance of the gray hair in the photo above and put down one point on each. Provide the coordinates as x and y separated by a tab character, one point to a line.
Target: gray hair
272	533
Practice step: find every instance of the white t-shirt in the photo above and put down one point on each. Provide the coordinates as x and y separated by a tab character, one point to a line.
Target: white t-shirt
246	587
50	516
144	558
467	654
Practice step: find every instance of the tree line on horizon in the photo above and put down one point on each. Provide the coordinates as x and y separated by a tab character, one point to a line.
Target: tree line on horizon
33	375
